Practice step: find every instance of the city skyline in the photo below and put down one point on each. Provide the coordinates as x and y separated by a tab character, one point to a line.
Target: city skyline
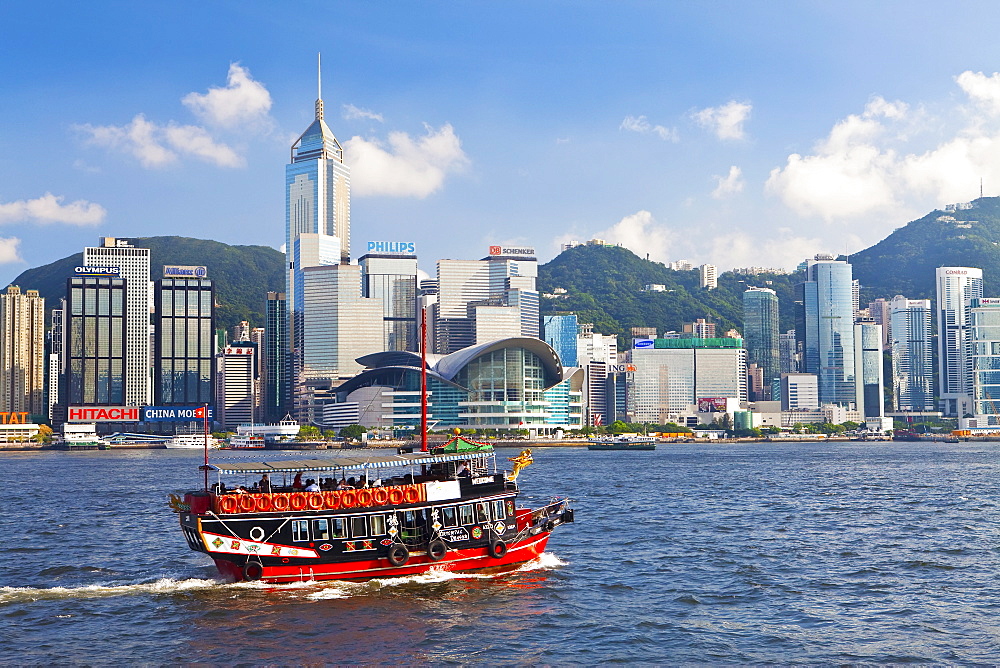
563	121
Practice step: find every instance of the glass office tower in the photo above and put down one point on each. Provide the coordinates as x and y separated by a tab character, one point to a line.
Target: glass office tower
828	309
392	280
760	335
910	342
95	342
277	401
560	333
184	342
956	286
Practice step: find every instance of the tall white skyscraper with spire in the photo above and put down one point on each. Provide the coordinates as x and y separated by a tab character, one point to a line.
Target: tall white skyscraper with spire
317	205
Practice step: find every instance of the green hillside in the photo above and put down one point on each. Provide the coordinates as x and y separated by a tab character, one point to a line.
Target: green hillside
242	274
604	286
903	263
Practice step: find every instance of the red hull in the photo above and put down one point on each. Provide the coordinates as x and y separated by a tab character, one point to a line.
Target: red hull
471	559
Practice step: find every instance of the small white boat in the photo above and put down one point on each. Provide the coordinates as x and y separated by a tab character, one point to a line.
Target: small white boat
191	442
244	442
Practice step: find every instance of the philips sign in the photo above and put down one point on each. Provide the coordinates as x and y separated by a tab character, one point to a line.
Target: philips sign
97	271
504	250
395	247
177	271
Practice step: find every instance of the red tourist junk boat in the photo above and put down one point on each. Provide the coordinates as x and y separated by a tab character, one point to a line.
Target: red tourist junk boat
448	508
405	513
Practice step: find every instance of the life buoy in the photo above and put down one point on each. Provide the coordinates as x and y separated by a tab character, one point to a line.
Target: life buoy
412	494
297	501
364	497
498	548
349	499
248	503
436	549
396	496
380	496
228	504
252	571
280	502
331	500
263	503
398	554
315	501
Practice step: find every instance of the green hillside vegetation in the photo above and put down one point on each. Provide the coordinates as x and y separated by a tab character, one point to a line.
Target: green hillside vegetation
903	263
604	286
243	275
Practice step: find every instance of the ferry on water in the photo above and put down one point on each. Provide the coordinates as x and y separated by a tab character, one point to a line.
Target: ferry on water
368	515
622	443
191	442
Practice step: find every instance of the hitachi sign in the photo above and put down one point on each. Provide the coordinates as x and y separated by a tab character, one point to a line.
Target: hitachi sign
103	414
396	247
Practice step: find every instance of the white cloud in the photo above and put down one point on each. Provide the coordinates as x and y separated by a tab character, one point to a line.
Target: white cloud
730	184
725	121
50	209
351	113
242	102
196	141
872	164
407	167
157	146
981	88
642	125
641	234
8	250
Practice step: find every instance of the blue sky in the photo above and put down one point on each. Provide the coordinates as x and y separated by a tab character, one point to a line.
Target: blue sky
733	133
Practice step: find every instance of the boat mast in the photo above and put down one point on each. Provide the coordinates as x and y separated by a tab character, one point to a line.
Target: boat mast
205	422
423	379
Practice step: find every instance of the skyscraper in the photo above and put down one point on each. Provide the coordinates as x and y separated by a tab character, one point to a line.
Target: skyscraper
318	205
96	352
277	400
184	342
133	268
760	334
868	366
392	280
560	333
956	286
984	342
828	319
912	366
22	351
709	275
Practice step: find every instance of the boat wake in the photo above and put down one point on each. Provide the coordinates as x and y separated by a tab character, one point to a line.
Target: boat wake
330	589
9	595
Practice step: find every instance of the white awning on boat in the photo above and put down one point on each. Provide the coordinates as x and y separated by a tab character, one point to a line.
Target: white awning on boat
355	463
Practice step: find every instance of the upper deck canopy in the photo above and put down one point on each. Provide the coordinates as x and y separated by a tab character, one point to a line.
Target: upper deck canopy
355	463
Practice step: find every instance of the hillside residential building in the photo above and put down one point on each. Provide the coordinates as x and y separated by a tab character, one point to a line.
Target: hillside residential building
22	351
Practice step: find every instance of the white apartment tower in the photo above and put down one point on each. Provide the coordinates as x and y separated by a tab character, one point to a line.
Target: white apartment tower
22	351
709	276
133	267
956	287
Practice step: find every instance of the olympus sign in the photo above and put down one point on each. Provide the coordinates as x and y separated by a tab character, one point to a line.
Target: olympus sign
97	271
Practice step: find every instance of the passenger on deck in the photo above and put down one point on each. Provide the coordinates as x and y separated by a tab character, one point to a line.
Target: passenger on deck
462	470
311	486
297	481
264	485
343	485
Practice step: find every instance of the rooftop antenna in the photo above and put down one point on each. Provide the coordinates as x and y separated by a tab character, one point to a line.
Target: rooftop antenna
319	88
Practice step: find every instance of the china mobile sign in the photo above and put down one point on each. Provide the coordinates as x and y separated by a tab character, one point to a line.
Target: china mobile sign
174	413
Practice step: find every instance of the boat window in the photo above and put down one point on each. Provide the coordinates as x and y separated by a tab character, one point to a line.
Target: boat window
300	530
321	529
409	519
498	510
465	512
377	523
482	512
359	527
449	517
339	527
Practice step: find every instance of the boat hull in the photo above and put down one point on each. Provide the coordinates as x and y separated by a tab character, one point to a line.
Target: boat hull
602	446
468	560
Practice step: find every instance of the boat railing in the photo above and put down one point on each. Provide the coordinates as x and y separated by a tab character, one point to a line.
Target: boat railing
368	497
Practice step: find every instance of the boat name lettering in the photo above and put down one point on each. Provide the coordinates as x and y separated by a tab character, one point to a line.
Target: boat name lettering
454	534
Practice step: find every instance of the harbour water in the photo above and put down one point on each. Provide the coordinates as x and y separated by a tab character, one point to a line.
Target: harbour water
757	553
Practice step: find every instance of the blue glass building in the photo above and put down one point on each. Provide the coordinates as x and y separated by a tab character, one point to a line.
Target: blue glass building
828	306
560	332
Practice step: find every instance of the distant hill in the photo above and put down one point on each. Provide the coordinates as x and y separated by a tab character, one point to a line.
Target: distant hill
604	286
243	275
903	263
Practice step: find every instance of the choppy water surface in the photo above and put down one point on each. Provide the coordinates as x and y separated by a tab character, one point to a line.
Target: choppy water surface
721	554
